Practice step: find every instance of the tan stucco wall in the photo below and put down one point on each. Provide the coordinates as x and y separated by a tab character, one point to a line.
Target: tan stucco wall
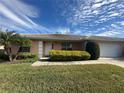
14	49
77	46
112	42
57	45
34	47
109	42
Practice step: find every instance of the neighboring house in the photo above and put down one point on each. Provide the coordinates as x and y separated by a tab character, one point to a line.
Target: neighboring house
42	44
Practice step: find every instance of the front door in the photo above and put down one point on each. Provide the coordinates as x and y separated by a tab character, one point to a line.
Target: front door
48	47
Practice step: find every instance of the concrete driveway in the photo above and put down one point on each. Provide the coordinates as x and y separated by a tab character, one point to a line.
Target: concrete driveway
113	61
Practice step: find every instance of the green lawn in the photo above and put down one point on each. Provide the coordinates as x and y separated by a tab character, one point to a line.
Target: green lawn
22	78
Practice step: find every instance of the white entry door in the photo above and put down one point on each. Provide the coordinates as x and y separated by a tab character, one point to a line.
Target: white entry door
48	47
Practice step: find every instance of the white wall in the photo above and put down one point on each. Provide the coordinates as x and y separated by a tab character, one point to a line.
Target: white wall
48	47
40	49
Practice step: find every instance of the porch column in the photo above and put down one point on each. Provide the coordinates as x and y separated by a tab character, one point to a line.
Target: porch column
85	43
40	49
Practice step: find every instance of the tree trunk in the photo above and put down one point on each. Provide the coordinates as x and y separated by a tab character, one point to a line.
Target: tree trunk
10	58
16	55
14	59
8	52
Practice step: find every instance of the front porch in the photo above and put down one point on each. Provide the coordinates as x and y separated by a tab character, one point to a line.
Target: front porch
46	46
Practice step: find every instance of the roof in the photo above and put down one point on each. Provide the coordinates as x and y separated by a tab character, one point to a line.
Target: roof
53	37
62	37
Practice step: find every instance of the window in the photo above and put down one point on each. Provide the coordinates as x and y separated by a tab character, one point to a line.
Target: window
66	46
24	49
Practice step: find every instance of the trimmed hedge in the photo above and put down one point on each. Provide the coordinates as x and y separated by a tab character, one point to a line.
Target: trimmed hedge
93	49
63	55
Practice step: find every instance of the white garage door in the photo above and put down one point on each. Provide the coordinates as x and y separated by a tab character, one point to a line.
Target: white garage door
110	49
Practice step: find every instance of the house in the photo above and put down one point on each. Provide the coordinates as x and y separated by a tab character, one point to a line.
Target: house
42	44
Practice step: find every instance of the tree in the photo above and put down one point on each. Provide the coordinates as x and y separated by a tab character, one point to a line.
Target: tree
10	38
21	42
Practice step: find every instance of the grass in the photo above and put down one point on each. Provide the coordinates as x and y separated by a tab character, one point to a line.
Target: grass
22	78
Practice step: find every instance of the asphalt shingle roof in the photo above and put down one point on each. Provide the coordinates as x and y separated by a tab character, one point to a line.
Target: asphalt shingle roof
69	37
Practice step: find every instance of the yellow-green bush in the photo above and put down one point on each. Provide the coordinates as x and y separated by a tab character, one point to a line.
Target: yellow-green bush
63	55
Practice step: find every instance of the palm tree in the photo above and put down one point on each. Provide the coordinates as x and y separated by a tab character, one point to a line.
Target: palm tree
6	39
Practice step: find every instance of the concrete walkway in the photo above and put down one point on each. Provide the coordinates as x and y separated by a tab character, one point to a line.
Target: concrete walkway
113	61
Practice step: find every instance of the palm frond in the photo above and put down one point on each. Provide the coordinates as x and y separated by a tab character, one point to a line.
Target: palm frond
7	37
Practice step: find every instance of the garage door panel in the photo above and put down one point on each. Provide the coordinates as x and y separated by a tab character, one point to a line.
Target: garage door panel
110	49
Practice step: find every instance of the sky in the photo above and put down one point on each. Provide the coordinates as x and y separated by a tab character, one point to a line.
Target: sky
73	17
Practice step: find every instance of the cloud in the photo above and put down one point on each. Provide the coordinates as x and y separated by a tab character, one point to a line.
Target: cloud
84	17
77	32
67	30
62	30
6	12
97	5
109	33
16	15
115	30
90	16
121	23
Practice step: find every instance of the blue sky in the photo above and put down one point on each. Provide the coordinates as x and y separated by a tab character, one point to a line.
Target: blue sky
78	17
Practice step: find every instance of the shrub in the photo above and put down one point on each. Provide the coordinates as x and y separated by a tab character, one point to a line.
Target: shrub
27	57
30	60
4	56
1	51
22	57
93	49
61	55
